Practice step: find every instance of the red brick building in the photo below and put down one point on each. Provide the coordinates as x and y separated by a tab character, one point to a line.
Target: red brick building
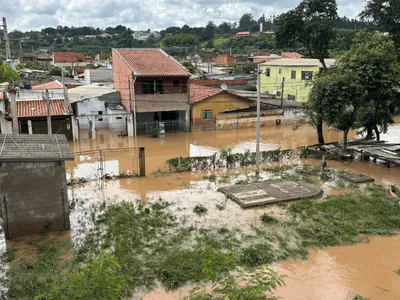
70	59
225	60
153	86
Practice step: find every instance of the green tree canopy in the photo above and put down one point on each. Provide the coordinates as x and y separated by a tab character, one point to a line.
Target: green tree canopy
246	22
8	74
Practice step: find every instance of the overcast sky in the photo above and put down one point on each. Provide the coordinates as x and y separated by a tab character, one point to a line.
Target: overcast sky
155	14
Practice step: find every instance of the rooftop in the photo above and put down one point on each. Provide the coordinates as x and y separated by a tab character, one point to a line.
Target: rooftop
299	62
200	92
52	85
38	108
35	147
291	55
151	62
114	106
68	57
84	92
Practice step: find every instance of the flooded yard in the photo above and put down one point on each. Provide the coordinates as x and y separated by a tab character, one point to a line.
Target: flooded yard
201	214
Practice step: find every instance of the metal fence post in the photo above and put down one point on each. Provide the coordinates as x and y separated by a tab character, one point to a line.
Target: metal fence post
142	162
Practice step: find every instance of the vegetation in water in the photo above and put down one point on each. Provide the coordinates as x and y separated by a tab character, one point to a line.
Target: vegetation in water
398	272
200	209
359	297
268	219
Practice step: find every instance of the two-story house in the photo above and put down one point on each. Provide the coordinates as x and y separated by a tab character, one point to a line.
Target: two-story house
154	87
294	75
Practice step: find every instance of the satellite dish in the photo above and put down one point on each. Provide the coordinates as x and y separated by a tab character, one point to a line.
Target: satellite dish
224	86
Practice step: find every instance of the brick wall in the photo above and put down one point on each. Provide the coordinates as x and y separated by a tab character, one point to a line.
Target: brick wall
36	195
122	80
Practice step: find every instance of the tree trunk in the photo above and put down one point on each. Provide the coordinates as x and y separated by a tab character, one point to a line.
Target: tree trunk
322	61
320	132
369	134
345	133
377	133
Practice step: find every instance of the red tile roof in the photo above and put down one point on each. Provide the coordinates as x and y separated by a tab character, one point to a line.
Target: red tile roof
200	92
243	33
38	108
291	55
151	62
68	57
52	85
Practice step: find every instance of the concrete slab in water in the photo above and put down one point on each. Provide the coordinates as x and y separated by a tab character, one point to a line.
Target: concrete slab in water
357	178
268	192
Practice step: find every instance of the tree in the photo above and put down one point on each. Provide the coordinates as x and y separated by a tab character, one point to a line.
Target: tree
309	24
8	74
210	30
55	71
385	14
246	22
372	57
339	95
225	27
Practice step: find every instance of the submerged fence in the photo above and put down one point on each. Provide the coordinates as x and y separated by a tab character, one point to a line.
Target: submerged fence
106	164
171	126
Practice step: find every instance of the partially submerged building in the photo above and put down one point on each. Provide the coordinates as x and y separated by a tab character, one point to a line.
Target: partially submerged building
154	87
33	196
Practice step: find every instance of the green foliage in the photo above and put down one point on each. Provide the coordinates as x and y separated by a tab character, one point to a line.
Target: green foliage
34	65
11	253
7	74
200	210
99	279
257	255
257	286
268	219
154	132
246	22
55	71
359	297
211	178
182	40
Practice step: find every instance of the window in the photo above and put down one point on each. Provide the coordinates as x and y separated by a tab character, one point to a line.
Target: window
268	72
280	70
291	97
175	82
152	87
306	75
293	74
207	114
118	118
100	112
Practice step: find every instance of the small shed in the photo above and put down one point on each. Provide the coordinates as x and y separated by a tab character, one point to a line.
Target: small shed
33	195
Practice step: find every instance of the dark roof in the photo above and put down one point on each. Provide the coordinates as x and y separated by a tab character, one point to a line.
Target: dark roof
35	147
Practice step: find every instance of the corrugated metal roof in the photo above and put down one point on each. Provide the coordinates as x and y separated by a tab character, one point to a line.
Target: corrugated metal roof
35	147
84	92
52	85
151	62
38	108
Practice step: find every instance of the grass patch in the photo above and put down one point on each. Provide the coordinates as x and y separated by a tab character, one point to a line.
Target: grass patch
200	210
257	255
160	173
359	297
211	178
398	272
11	253
268	219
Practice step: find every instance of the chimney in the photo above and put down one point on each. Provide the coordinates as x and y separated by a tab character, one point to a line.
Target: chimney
261	27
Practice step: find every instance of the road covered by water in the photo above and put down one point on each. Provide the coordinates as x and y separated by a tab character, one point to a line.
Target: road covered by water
331	273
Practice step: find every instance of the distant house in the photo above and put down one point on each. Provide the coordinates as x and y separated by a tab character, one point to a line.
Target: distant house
70	59
104	76
100	105
225	60
297	72
154	87
207	102
34	187
242	34
145	35
291	55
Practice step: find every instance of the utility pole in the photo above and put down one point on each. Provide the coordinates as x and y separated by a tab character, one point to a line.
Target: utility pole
20	51
258	123
283	87
46	98
6	40
14	113
65	92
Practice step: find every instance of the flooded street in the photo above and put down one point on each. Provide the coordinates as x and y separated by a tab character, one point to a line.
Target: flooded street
331	273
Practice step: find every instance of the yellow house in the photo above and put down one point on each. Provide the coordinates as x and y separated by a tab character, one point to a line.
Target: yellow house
294	75
207	102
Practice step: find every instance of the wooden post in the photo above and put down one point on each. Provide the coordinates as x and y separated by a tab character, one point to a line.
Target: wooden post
142	162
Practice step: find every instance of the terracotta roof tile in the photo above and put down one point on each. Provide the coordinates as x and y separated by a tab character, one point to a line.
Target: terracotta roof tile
52	85
38	108
291	55
151	62
68	57
199	92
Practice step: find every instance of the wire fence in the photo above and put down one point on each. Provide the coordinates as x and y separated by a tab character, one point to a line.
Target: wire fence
170	126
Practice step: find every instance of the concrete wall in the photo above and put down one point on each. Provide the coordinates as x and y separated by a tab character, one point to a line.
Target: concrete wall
117	122
122	81
161	102
100	75
247	120
36	195
218	104
295	87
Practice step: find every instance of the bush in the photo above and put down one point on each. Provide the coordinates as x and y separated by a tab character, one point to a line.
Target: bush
268	219
98	280
200	209
257	255
154	132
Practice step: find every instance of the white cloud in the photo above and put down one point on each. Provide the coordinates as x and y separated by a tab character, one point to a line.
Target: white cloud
154	14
